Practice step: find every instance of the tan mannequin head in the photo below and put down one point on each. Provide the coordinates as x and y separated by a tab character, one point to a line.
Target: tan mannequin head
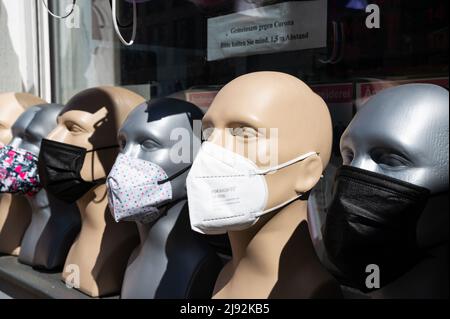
11	106
91	120
271	100
15	212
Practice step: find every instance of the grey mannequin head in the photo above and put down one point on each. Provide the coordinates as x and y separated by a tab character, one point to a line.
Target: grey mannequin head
55	221
402	132
33	125
152	132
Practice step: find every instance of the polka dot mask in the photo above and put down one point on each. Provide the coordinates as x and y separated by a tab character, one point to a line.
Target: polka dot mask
136	188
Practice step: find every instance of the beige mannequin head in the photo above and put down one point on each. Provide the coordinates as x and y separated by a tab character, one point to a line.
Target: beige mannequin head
91	120
272	100
275	257
11	106
15	212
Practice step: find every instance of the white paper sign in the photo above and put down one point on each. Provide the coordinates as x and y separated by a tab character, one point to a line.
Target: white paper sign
286	26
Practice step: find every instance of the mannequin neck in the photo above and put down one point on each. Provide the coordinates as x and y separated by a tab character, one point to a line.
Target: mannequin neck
39	203
93	203
280	224
144	229
275	259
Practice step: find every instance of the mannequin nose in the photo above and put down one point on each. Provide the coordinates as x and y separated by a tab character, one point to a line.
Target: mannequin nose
58	134
363	162
130	150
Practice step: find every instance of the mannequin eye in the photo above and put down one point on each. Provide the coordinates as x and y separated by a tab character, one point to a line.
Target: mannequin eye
389	159
393	161
149	145
73	128
206	133
244	132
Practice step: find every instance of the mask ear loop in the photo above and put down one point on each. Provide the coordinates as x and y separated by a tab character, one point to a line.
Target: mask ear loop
74	2
116	26
103	179
168	179
288	163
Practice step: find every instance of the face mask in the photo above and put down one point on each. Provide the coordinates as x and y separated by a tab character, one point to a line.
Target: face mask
372	219
136	188
227	191
18	171
59	169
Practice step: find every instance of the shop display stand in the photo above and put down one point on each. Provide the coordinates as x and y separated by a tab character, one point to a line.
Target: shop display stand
21	281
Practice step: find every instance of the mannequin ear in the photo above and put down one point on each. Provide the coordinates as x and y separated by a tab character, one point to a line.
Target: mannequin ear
310	173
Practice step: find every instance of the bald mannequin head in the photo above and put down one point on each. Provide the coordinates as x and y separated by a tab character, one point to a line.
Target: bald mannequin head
11	106
274	121
402	132
148	134
34	125
91	119
263	114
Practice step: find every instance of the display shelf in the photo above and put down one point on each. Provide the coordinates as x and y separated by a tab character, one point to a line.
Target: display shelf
21	281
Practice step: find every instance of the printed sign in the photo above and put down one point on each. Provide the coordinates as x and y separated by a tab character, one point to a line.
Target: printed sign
286	26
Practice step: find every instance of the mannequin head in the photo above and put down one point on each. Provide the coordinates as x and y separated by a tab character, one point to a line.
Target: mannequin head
91	120
402	132
34	125
11	106
14	211
395	155
270	120
288	115
153	129
58	223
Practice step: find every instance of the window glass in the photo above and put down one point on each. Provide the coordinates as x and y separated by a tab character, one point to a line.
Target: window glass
346	50
173	50
18	47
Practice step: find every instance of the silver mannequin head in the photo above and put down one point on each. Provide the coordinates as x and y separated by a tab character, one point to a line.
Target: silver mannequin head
150	133
402	132
33	125
56	222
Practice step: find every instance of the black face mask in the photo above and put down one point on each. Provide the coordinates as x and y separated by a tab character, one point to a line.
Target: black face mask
60	165
372	219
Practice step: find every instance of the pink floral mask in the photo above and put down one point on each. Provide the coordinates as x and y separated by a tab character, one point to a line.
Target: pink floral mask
18	171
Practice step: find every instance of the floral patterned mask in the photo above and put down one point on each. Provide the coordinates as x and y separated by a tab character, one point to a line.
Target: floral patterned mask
18	171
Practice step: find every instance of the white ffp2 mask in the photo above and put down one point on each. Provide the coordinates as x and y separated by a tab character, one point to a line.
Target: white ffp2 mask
227	191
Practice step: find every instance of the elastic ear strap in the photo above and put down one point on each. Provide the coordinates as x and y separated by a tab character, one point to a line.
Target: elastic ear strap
278	206
74	2
102	148
174	175
288	163
100	181
116	26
